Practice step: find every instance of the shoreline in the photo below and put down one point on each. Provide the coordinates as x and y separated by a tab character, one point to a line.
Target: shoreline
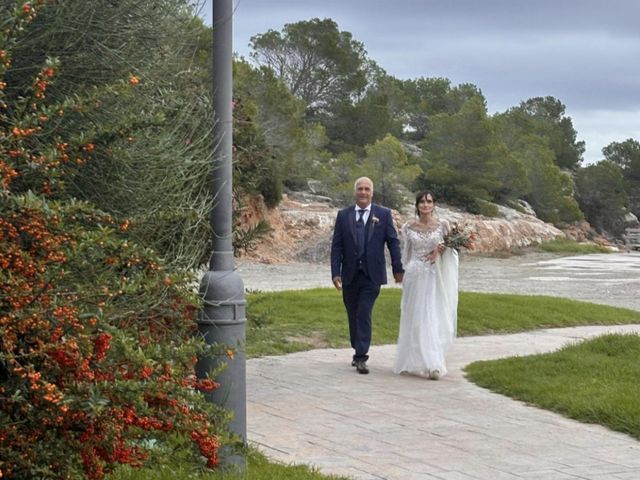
610	279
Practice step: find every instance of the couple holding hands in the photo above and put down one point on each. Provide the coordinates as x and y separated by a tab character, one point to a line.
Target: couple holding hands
420	261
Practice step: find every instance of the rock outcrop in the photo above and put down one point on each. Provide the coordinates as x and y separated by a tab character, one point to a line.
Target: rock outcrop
302	228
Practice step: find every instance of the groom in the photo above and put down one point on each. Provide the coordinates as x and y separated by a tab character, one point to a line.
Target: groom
358	263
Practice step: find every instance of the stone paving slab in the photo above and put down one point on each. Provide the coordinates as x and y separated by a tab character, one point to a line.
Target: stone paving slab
313	408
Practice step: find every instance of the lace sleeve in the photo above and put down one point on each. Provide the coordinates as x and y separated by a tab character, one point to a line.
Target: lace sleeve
445	228
405	244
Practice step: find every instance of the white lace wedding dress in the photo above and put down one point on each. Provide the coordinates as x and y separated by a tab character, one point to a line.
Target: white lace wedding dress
428	316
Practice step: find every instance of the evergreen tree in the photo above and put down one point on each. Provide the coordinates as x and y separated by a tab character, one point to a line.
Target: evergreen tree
462	154
321	65
548	189
601	194
546	117
627	156
387	165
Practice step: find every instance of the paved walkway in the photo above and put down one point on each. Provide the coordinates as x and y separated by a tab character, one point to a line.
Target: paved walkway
313	408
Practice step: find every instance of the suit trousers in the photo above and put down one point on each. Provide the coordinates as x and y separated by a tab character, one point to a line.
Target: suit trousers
359	297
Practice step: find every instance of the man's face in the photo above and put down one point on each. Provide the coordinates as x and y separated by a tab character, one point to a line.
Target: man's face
363	193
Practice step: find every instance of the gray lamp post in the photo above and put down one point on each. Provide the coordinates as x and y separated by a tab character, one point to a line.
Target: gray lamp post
222	320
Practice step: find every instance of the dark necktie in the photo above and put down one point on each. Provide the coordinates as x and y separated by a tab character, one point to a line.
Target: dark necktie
360	232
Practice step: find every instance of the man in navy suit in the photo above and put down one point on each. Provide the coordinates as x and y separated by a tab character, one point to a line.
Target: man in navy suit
358	263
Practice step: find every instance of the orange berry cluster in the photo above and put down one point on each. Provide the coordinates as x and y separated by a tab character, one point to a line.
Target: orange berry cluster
64	339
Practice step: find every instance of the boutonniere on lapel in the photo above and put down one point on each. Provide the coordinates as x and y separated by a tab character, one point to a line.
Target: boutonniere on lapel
374	219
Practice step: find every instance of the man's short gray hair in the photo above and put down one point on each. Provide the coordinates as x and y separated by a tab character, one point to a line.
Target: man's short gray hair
362	179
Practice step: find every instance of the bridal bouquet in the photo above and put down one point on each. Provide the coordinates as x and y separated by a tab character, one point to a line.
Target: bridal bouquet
460	237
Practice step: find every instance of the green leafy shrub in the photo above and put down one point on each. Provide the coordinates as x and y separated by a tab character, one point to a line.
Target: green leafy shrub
98	347
97	338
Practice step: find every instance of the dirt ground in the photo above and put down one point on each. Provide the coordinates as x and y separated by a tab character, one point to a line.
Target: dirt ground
611	279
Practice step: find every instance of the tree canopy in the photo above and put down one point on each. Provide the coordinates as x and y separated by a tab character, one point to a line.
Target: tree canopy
320	64
462	153
545	116
626	155
602	197
531	151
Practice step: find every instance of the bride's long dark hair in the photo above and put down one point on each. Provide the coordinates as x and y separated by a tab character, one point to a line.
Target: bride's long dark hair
422	195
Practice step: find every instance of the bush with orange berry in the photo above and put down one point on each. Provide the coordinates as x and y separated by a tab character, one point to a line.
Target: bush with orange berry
98	339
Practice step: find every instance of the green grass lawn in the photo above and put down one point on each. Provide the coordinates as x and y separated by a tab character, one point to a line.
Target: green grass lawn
257	468
596	381
294	320
571	247
561	247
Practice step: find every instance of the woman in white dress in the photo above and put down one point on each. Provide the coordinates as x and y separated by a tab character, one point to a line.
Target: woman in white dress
429	306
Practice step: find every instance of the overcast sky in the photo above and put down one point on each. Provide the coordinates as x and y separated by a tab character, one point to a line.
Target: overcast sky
586	53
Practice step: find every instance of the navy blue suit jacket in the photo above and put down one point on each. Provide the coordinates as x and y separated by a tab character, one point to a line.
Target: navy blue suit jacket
380	230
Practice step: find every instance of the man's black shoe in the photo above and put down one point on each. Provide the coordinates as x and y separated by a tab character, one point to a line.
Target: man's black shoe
353	363
361	366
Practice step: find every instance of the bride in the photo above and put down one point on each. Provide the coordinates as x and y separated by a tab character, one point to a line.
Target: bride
428	315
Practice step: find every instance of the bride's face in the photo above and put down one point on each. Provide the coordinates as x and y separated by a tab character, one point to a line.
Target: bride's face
426	205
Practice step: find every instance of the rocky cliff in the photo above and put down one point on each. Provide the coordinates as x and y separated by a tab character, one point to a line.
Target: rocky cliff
302	226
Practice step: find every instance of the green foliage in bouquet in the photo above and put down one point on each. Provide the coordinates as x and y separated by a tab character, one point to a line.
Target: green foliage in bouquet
460	237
